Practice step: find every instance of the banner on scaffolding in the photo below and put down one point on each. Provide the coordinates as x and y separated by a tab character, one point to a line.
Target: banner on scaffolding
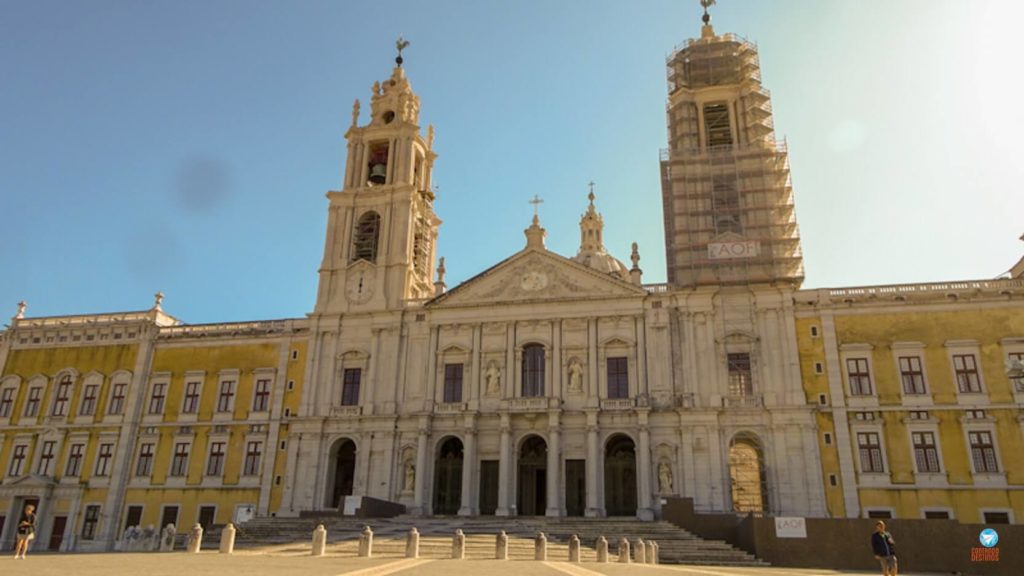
734	249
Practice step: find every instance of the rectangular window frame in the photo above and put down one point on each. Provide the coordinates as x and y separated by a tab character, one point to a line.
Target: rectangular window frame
157	397
76	453
190	399
226	396
350	383
966	373
215	457
261	395
47	456
869	452
144	461
739	366
912	381
179	460
453	373
253	458
925	450
19	454
33	401
62	398
858	376
90	395
104	456
7	401
617	374
118	391
90	521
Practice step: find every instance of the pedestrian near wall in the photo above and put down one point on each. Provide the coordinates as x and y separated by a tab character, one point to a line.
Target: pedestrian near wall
26	531
884	547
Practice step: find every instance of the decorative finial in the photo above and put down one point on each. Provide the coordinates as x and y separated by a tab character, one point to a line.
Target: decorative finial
707	17
430	137
441	270
21	310
536	208
635	256
401	44
355	112
158	300
591	195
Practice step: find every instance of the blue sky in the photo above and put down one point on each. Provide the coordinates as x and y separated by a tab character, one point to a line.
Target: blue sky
187	146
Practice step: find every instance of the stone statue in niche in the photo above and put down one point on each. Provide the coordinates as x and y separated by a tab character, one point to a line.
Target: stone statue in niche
664	478
493	376
410	477
575	376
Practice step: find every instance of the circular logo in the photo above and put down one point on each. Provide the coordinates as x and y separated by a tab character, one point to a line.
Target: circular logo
988	538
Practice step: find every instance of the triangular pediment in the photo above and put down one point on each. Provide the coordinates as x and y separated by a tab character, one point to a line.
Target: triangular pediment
536	275
31	480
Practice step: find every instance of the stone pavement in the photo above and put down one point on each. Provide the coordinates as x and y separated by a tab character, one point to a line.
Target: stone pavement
260	564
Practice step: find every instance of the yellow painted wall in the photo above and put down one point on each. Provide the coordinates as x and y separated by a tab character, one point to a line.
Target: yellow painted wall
188	501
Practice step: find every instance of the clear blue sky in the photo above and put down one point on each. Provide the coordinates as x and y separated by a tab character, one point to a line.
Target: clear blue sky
187	146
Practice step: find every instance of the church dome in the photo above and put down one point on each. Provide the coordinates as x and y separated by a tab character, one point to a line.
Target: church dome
603	262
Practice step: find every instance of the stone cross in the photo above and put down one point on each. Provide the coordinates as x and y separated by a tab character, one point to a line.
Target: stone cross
319	540
501	546
195	539
574	548
623	550
227	539
536	201
602	549
366	543
412	543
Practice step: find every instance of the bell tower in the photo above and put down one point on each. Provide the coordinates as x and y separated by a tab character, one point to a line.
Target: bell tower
381	227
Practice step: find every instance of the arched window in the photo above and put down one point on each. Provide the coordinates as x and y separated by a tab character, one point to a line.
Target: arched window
533	370
364	241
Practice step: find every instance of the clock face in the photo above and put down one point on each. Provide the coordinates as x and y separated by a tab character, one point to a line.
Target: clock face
533	281
359	288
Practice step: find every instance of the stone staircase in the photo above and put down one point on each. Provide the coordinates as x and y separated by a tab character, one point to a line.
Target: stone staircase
294	536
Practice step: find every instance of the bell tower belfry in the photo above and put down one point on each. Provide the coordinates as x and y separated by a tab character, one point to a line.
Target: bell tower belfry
381	227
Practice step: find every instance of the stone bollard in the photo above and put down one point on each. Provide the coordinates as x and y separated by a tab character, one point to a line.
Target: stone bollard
640	551
167	538
657	554
195	539
501	546
366	543
602	549
459	545
574	548
227	539
319	540
623	550
650	552
540	547
412	543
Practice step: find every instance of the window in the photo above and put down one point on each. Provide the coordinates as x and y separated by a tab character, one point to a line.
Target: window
225	401
452	383
833	480
179	462
911	375
533	370
6	402
716	124
92	518
215	464
17	460
926	455
32	403
46	457
350	386
261	400
364	242
144	465
62	397
253	451
103	459
983	452
74	460
828	438
814	331
996	517
156	401
880	514
740	383
89	400
191	404
936	515
860	379
870	449
966	368
117	399
618	377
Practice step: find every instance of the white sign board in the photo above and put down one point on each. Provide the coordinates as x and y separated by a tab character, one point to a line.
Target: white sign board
739	249
790	528
351	505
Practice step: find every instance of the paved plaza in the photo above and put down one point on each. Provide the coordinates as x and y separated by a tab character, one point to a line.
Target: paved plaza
261	564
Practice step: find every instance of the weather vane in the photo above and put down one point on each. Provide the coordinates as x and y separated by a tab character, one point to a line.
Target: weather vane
402	44
707	4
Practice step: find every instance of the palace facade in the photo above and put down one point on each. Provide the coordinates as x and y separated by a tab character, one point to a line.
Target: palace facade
548	384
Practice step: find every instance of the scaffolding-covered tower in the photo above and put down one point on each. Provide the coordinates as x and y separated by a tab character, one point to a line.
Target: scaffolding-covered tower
728	199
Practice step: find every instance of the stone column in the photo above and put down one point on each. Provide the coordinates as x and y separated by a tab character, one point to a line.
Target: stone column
469	488
505	467
644	511
419	508
319	540
554	496
227	539
593	464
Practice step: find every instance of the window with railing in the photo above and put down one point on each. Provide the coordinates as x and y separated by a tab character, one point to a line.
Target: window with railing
740	378
452	383
350	380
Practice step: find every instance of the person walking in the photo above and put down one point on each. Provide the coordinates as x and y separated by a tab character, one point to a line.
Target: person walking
26	531
884	547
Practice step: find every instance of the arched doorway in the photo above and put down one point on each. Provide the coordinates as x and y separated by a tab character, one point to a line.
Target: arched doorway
533	477
620	476
747	474
448	477
341	473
